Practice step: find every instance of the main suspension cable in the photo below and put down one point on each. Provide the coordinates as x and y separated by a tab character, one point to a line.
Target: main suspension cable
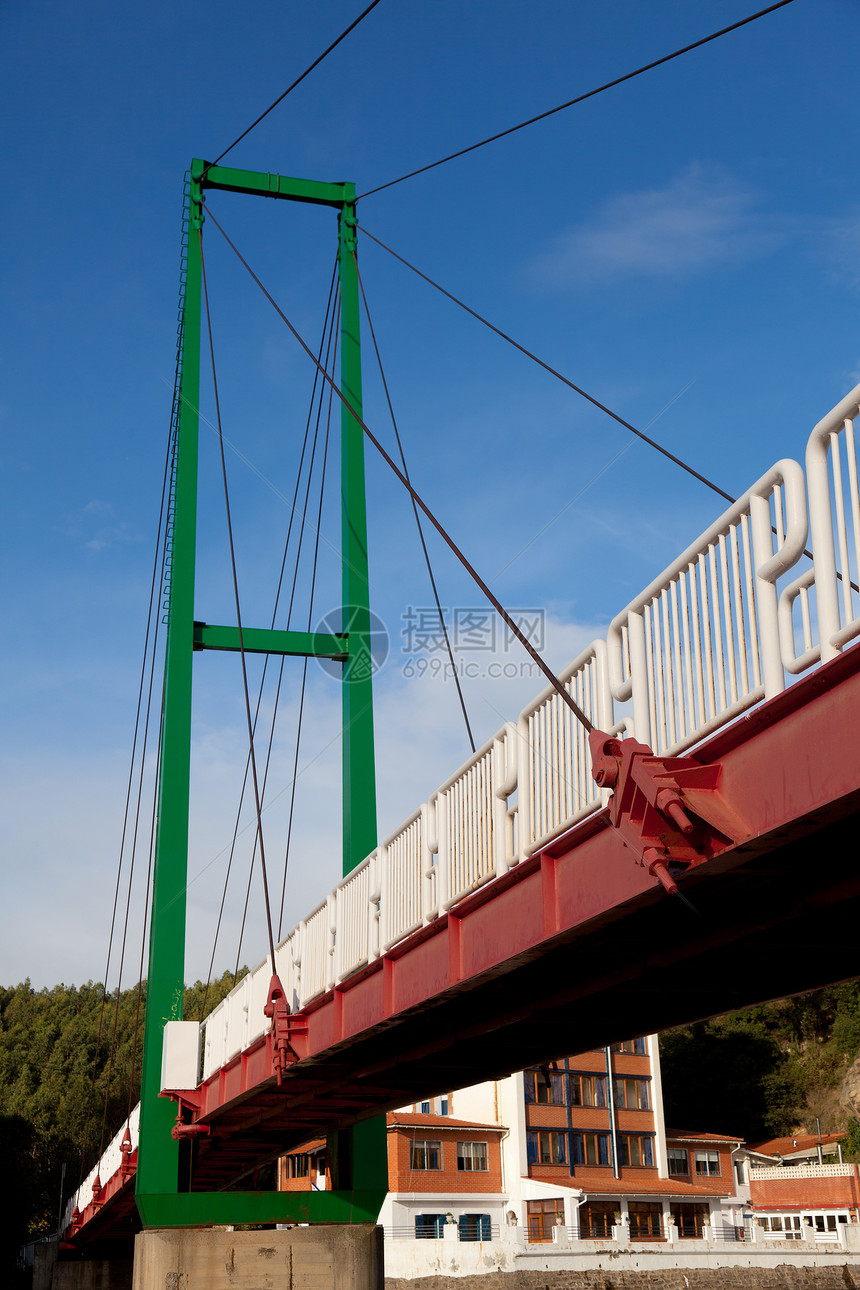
454	669
257	802
580	98
296	82
512	626
577	389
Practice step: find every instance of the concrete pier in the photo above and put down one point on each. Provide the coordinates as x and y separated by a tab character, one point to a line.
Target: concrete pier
322	1257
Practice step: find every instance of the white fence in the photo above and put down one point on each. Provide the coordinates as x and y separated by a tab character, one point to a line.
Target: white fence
834	522
787	1172
713	635
107	1166
701	643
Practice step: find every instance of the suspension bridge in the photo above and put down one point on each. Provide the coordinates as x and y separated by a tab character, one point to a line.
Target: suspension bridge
664	833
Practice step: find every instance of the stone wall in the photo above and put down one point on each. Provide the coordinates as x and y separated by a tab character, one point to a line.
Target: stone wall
782	1277
92	1274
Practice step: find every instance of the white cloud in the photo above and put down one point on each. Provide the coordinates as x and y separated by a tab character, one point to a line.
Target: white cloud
702	218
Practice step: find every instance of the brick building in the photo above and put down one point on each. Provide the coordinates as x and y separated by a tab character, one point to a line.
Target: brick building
581	1144
800	1186
437	1166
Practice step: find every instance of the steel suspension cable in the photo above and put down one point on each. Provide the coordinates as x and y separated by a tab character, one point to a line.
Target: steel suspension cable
238	610
153	822
443	625
580	98
305	661
141	770
296	82
512	626
149	618
299	544
149	870
292	506
577	389
640	434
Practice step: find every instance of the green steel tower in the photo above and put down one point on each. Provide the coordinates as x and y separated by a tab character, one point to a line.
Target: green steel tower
358	1155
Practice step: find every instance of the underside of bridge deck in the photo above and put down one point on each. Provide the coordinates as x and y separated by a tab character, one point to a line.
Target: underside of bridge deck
579	946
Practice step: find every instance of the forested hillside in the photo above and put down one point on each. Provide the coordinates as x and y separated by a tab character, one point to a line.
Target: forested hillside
769	1070
68	1078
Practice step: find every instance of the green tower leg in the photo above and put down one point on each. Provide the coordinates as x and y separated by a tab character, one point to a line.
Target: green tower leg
358	1156
158	1154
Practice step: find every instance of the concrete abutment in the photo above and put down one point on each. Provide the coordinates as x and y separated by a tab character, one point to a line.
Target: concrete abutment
322	1257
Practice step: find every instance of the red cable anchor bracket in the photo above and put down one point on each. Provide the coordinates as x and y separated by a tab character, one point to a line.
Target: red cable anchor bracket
667	810
286	1026
126	1169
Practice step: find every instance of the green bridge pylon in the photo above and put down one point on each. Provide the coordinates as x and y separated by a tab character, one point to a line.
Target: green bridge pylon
357	1155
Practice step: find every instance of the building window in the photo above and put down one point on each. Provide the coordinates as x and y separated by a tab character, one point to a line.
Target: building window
708	1164
690	1220
425	1153
438	1106
542	1216
474	1227
472	1157
544	1087
429	1227
634	1046
637	1149
591	1149
679	1162
297	1166
634	1094
544	1147
588	1090
646	1221
597	1219
789	1226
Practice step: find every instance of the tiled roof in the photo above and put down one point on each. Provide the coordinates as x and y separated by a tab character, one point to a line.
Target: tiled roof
688	1136
307	1148
647	1186
413	1119
797	1142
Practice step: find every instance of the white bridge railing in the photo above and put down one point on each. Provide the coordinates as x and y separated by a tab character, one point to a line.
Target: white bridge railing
713	635
109	1164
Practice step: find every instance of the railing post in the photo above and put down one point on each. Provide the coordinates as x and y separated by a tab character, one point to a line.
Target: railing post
639	681
821	533
525	792
443	859
772	674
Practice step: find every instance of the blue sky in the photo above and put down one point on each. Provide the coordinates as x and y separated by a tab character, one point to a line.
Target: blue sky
687	241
